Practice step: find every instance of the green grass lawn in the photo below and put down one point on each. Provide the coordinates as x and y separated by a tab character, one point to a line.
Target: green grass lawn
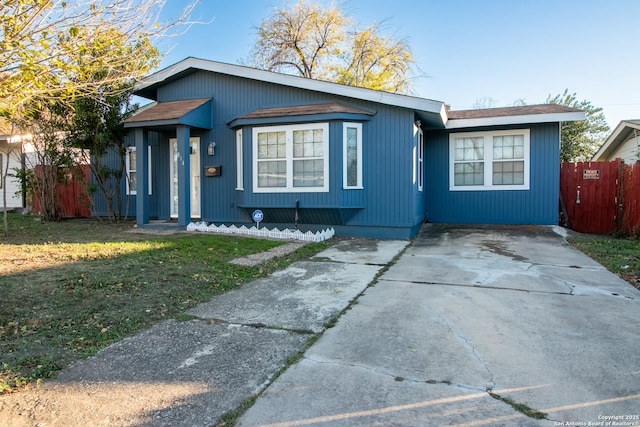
72	288
619	255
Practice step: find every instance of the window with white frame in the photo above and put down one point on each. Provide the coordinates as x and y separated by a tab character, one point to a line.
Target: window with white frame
130	164
420	160
239	167
497	160
291	158
352	155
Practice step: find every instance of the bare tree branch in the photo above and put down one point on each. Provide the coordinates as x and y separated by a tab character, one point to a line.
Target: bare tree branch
313	42
50	48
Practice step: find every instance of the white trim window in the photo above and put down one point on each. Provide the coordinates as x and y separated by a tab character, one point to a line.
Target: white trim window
239	166
497	160
130	165
291	158
420	160
352	156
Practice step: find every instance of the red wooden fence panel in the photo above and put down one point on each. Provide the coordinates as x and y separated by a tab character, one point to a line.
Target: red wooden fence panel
630	195
71	198
589	194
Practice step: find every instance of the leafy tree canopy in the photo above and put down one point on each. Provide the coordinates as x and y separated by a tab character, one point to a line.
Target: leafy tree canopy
312	41
55	49
579	140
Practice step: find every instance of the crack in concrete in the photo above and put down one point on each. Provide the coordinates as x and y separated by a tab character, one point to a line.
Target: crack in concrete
519	407
331	260
570	292
475	353
213	321
400	378
500	288
379	371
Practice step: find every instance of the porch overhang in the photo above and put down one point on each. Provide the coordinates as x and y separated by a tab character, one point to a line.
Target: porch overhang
195	113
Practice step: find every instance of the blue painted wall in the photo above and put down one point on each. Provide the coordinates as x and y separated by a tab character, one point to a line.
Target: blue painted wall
539	205
159	151
387	205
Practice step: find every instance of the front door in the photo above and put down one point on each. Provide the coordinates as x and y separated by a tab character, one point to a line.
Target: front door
194	143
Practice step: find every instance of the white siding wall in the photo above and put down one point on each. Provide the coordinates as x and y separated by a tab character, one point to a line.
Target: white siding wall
12	184
628	150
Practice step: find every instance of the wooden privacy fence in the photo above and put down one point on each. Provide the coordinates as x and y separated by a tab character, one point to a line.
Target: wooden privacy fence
71	198
601	197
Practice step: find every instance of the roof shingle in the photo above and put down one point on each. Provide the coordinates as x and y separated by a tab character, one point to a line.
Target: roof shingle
524	110
166	110
303	110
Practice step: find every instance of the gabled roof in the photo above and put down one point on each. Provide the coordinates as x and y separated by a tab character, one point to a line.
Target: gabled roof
433	114
542	113
619	135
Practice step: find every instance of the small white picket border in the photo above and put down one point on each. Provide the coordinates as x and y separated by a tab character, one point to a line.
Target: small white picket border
274	233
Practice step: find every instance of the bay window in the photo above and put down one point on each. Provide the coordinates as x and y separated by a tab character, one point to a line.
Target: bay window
291	158
352	155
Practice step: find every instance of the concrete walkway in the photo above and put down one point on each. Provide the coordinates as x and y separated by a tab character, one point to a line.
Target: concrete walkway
191	373
473	326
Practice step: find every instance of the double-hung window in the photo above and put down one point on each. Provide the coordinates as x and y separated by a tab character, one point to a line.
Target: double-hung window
130	164
291	158
496	160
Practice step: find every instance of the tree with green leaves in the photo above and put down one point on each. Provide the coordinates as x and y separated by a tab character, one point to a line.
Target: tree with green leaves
375	62
50	47
97	127
48	156
321	43
579	140
66	73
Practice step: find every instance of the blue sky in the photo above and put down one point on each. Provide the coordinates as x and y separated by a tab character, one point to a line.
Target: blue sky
466	50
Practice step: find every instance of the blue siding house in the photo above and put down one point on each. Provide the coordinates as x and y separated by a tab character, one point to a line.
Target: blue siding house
222	140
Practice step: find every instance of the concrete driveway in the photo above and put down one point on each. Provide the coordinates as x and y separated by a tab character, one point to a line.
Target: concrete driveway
473	326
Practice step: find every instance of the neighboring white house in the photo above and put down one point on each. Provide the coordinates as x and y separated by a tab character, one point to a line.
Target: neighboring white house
623	143
11	157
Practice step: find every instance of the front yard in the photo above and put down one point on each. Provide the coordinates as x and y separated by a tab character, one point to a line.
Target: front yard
72	288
